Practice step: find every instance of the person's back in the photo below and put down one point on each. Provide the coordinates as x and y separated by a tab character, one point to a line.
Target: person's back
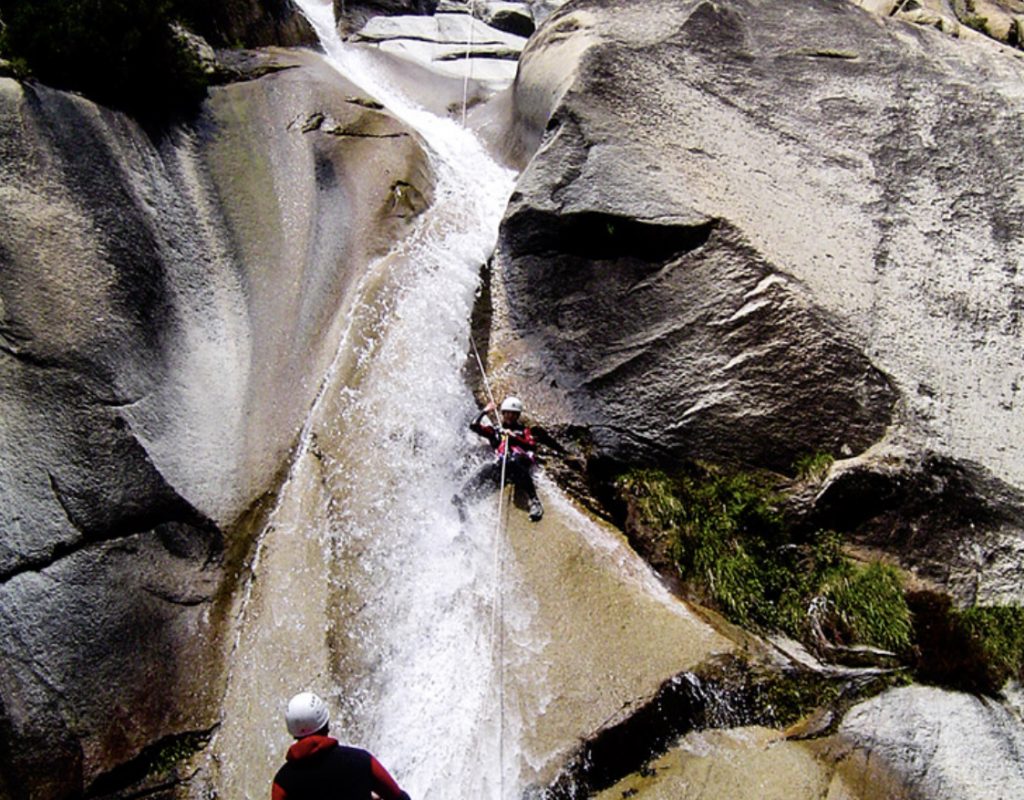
318	768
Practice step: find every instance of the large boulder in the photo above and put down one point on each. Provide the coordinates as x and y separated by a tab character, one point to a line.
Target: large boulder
450	45
756	230
914	742
250	23
167	310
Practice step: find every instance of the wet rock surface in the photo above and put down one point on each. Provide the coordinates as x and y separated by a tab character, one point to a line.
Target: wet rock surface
163	310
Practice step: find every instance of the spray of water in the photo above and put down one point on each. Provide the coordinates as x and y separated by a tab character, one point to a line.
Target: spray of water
414	629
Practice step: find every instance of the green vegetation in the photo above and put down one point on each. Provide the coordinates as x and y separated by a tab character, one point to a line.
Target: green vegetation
978	23
122	53
865	604
735	552
813	466
996	637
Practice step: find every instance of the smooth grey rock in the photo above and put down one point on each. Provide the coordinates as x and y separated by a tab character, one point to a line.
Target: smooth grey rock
945	745
451	45
951	521
743	238
168	308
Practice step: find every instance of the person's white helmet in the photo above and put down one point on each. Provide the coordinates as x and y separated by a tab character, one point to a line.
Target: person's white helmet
306	714
512	404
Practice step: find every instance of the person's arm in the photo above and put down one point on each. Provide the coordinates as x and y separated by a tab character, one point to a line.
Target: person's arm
277	793
383	785
483	426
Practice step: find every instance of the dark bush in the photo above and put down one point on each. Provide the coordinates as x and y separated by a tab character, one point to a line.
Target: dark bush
122	53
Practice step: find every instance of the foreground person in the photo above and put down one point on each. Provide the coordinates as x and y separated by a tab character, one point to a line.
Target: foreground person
318	768
515	438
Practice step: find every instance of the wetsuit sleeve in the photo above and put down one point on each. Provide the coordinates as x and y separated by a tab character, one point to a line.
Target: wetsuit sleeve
482	427
277	793
384	785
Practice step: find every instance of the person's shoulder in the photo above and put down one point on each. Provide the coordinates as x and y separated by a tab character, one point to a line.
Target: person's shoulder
353	754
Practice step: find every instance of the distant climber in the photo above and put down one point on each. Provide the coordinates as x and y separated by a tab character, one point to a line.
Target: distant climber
515	438
318	767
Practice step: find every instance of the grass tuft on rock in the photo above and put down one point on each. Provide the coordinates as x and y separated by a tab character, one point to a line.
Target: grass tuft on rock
996	633
813	466
734	551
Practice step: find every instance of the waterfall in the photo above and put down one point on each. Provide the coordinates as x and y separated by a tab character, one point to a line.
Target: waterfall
405	595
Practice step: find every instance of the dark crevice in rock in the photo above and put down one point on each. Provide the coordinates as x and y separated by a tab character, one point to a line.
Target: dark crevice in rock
343	134
447	43
598	236
25	357
908	506
153	770
723	694
840	55
505	54
365	102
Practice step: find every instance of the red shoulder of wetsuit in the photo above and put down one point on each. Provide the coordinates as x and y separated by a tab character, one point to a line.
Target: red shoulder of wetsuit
384	786
301	749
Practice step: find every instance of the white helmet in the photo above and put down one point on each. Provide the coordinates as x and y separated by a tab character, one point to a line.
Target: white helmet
512	404
306	714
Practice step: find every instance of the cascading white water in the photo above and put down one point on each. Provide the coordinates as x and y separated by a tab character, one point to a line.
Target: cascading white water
423	683
470	659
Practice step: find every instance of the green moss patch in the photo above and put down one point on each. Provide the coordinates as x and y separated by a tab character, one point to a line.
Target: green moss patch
976	649
734	551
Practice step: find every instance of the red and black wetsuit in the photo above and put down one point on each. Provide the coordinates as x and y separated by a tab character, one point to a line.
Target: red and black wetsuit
522	449
318	768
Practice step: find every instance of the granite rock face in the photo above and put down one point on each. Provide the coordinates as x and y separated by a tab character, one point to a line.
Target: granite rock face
947	745
756	230
167	309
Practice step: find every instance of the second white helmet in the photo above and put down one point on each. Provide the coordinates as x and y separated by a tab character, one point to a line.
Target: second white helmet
306	714
512	404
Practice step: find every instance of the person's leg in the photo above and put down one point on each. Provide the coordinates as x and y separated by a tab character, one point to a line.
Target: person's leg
519	472
487	474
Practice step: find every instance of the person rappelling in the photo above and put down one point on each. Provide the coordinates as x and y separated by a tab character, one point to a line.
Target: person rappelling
318	767
515	455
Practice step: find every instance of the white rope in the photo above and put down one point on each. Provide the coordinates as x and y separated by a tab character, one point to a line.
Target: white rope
469	60
498	622
483	374
497	603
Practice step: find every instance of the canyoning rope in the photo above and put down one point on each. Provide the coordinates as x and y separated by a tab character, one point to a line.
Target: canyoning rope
498	619
497	604
469	61
483	374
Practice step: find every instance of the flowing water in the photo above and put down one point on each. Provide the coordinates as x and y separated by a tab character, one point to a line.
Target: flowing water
470	657
390	608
